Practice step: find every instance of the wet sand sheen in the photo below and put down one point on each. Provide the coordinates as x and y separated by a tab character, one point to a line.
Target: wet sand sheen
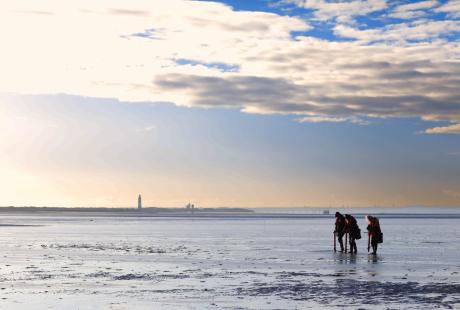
200	264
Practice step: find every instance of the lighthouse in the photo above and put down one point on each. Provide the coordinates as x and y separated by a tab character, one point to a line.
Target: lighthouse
139	202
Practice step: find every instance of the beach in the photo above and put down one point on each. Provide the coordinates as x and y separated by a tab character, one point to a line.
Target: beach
113	262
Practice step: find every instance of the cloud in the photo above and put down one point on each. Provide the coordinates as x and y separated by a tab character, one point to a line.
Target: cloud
129	12
394	82
327	119
343	11
452	8
202	53
452	129
401	33
452	193
148	128
412	10
219	66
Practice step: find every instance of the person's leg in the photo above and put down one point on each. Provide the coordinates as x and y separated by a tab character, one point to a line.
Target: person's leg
354	245
340	238
352	241
374	247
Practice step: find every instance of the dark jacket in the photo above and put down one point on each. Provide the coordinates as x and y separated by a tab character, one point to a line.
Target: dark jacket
374	230
339	224
352	227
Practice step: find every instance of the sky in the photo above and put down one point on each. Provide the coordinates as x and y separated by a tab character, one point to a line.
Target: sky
230	103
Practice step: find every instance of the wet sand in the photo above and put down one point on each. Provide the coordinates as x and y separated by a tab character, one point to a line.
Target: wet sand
146	263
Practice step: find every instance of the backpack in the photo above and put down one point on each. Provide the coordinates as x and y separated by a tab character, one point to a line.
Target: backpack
379	238
358	234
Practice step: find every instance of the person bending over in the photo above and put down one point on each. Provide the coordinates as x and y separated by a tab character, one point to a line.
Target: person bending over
375	233
354	233
339	228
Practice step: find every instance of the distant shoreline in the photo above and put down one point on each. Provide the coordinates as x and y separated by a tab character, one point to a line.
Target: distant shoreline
147	210
125	212
203	213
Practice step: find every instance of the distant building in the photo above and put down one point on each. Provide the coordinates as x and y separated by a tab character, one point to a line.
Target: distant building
139	202
190	207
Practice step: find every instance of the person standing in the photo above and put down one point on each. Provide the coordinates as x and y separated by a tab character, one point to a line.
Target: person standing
375	233
354	233
339	230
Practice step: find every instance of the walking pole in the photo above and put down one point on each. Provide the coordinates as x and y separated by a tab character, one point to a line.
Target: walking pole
346	241
335	249
368	242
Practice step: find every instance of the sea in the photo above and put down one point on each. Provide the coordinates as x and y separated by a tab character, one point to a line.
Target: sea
63	261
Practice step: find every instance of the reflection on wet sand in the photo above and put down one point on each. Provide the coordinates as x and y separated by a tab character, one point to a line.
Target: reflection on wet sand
373	259
342	258
215	264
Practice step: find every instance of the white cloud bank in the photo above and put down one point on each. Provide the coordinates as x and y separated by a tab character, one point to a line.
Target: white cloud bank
413	10
452	129
343	11
206	54
452	8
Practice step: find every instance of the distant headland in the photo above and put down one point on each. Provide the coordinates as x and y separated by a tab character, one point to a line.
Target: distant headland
224	212
145	211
